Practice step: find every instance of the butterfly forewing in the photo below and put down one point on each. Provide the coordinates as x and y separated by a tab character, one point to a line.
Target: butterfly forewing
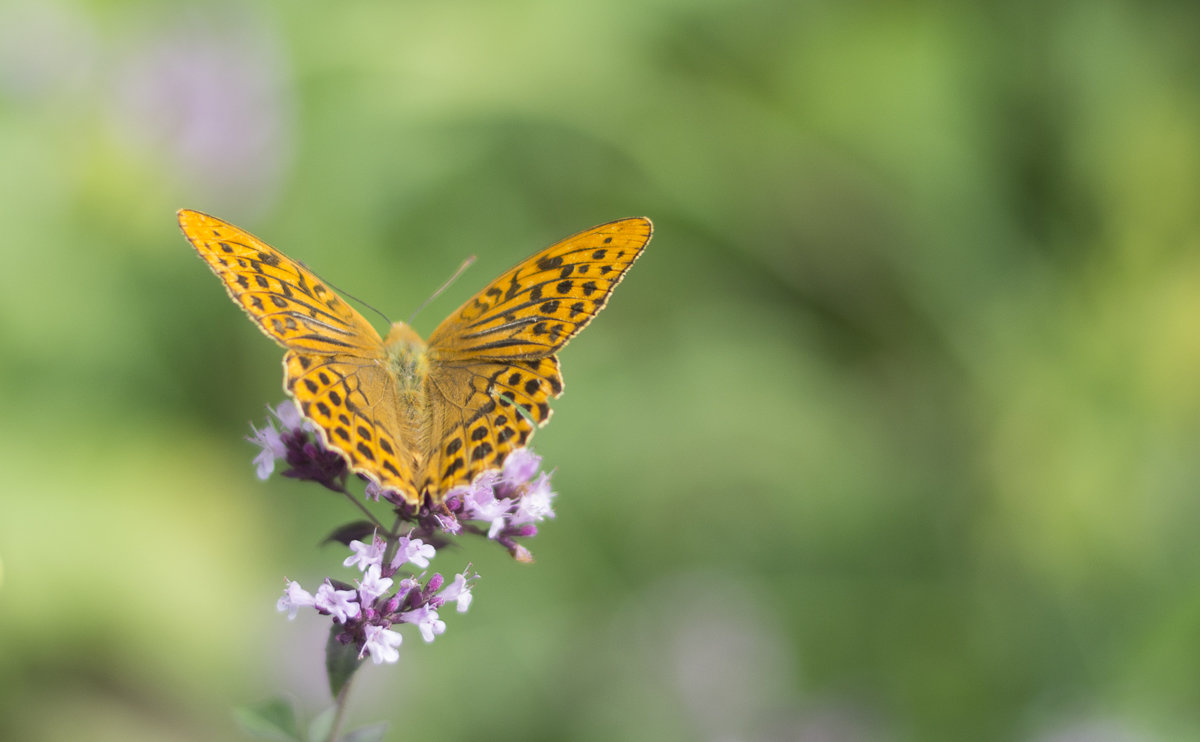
285	299
534	309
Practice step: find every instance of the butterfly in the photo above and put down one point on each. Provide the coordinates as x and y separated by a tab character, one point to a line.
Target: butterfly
417	417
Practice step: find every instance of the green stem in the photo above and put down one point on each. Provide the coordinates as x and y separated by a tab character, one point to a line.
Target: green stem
370	516
340	705
393	541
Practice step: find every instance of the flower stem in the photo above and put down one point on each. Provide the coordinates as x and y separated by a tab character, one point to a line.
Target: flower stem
392	538
340	705
370	516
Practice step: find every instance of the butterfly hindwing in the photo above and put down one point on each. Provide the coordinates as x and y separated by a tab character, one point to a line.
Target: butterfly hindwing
483	412
286	300
354	404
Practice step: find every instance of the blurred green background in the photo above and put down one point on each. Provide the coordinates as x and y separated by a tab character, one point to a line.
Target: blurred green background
891	434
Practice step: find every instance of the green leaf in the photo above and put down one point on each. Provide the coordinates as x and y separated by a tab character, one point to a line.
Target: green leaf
341	661
373	733
271	719
359	530
322	725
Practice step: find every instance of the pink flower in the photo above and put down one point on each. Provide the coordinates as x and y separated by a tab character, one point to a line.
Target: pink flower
294	598
271	440
373	585
520	466
365	555
413	550
381	643
426	619
341	604
534	505
459	591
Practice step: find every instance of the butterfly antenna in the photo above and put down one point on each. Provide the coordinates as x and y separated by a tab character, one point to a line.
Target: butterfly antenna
347	294
466	264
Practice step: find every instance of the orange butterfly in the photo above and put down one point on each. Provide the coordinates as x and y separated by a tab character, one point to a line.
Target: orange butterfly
421	418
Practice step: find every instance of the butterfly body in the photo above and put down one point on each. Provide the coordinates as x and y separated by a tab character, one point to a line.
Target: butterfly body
408	360
424	417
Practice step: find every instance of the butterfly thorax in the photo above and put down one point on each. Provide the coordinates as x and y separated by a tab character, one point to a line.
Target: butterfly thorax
408	361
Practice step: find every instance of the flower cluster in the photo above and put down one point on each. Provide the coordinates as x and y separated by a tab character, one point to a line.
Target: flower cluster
501	505
297	444
366	611
510	501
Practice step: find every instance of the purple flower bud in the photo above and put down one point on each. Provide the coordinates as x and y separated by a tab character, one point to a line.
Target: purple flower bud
520	553
407	593
312	462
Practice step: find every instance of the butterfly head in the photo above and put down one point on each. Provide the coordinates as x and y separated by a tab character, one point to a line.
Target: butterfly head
401	335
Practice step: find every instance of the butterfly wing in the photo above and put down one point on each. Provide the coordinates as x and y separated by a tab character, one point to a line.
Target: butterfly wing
492	363
481	412
286	300
356	406
335	367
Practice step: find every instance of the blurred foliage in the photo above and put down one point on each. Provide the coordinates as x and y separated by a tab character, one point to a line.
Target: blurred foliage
891	435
